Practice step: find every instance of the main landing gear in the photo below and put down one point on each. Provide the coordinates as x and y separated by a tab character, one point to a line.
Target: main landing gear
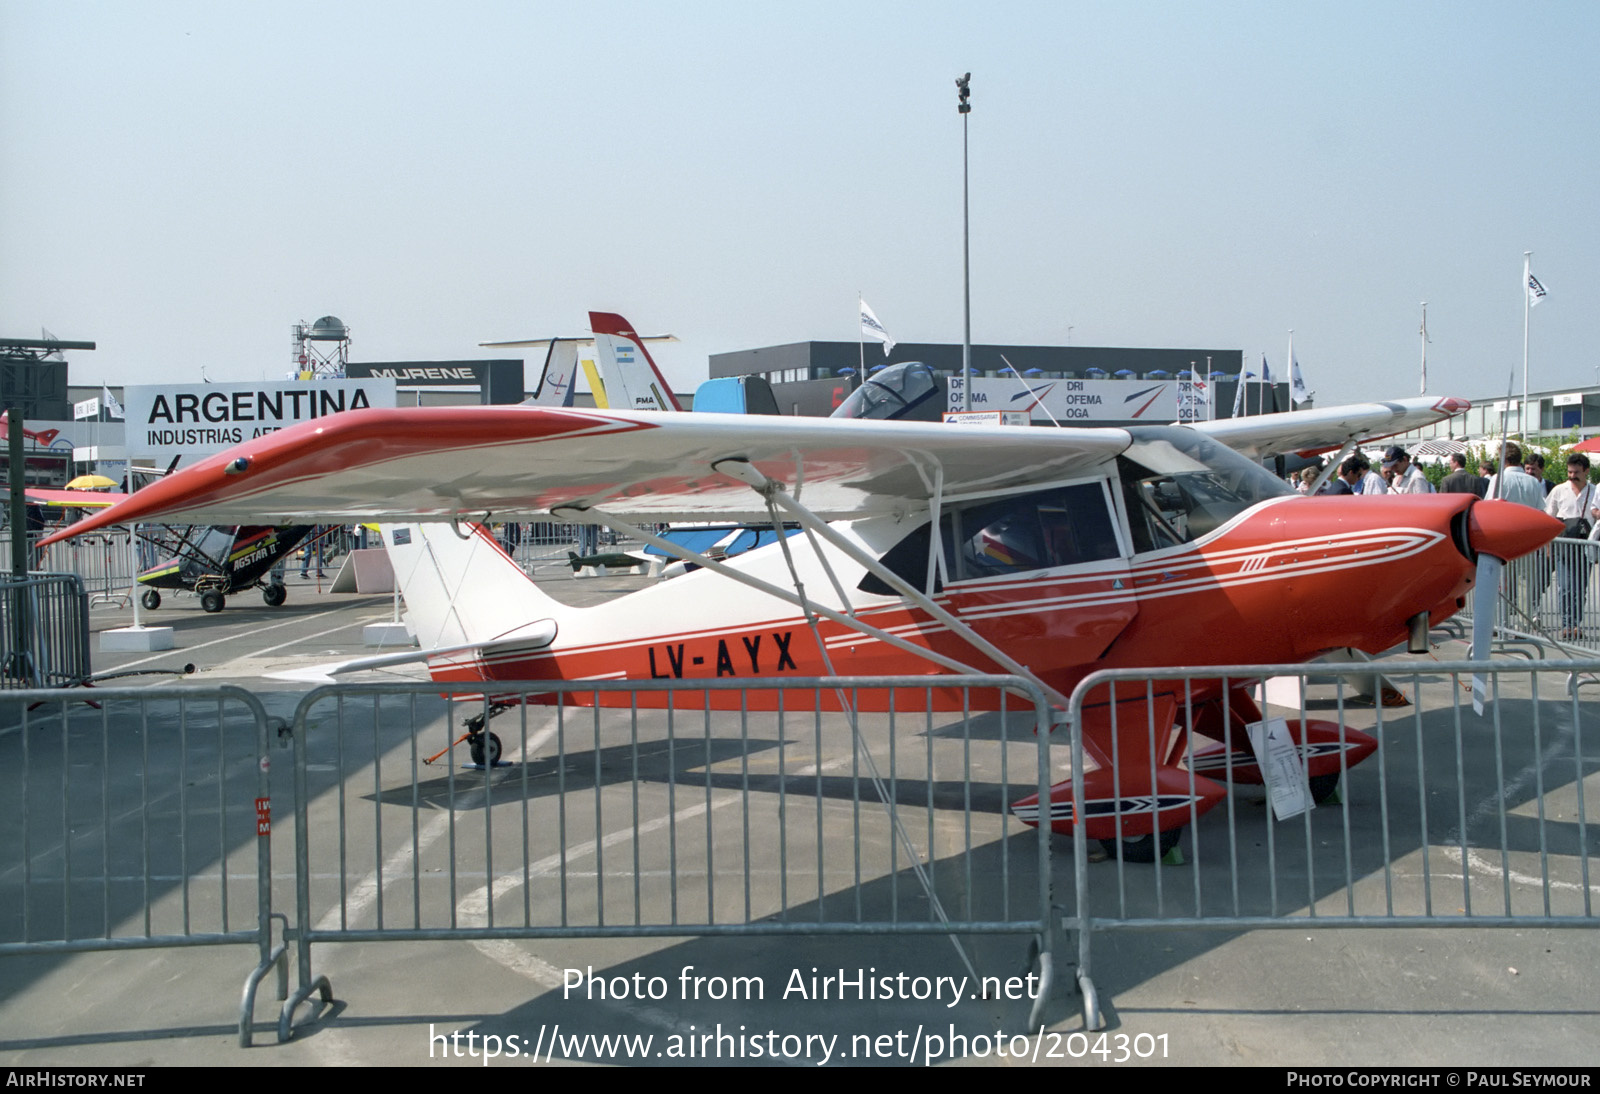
1143	849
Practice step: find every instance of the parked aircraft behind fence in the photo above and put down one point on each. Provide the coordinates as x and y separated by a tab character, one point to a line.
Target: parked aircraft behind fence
1047	553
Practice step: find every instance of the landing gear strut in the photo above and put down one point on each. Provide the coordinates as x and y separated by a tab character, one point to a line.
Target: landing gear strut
484	747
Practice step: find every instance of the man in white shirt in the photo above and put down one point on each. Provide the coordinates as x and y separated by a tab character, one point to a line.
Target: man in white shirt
1515	484
1407	477
1574	502
1528	575
1371	482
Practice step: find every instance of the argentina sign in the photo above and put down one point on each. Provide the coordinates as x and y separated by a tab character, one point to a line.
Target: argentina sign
194	420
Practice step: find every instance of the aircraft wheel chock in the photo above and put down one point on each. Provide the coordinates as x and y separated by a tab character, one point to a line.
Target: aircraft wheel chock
212	602
150	599
475	747
1143	849
274	595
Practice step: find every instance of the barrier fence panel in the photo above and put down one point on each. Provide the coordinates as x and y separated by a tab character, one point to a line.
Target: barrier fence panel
105	561
44	631
1423	814
1551	597
738	810
141	821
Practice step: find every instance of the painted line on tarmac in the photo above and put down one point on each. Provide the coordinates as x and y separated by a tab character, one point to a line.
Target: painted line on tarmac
472	909
1492	805
296	641
233	637
365	893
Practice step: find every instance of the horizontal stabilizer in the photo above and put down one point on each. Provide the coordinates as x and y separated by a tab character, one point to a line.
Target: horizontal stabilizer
533	636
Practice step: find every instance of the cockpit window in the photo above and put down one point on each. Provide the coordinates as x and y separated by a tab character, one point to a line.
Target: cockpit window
905	391
1012	535
1180	485
1035	532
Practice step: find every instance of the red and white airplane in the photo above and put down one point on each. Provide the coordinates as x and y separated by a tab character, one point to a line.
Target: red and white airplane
1058	552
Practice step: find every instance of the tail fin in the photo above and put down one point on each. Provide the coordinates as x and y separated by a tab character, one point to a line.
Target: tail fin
464	590
558	381
632	380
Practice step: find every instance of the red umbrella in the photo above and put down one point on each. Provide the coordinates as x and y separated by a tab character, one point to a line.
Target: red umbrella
1590	445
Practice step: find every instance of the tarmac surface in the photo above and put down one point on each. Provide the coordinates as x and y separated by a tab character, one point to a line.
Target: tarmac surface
1423	996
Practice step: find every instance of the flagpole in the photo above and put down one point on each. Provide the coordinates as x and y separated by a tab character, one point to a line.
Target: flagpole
861	337
1527	304
1288	364
964	108
1423	333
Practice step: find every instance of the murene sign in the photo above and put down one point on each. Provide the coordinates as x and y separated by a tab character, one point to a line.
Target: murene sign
194	420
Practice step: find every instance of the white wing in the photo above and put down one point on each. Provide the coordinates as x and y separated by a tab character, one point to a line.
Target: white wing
1311	431
440	463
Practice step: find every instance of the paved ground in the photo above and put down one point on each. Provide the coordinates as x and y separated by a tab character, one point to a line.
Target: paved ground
1446	997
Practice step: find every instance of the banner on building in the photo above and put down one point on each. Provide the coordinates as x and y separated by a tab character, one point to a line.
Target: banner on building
195	420
1073	402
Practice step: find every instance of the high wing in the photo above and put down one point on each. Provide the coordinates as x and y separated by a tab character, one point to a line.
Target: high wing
445	463
1308	432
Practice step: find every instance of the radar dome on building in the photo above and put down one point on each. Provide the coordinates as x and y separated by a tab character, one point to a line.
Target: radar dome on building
329	328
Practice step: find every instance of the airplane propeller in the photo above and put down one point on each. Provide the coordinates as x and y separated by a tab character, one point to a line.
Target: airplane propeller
1497	530
1485	600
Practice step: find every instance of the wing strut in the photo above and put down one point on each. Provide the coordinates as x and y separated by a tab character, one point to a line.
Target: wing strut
1333	467
849	710
746	473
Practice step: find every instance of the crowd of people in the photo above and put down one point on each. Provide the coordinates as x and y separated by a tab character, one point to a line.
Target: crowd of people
1575	502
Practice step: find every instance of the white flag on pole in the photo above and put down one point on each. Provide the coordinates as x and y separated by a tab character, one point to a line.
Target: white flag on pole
1297	384
1238	396
1536	291
871	328
113	408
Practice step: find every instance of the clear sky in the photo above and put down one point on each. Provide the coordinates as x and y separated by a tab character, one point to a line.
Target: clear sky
181	182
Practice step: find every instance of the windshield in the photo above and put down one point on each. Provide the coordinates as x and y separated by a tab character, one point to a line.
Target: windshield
1179	485
905	390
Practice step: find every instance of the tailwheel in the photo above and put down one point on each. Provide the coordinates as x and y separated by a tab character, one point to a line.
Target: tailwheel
1143	849
274	594
484	757
212	602
150	599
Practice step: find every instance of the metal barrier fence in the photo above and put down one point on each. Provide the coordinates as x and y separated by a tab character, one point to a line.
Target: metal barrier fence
534	542
143	821
1431	815
44	631
737	811
1550	596
105	561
